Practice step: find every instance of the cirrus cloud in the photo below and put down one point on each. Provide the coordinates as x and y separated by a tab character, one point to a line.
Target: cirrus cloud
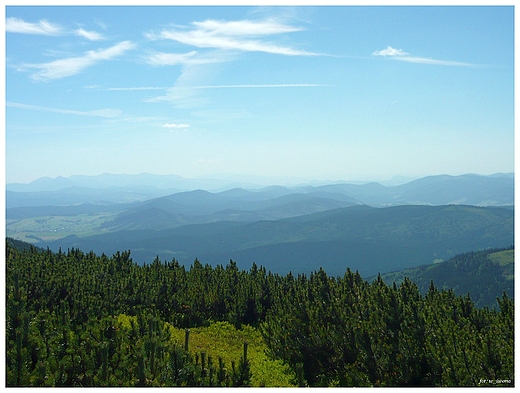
235	35
89	35
399	54
73	65
107	113
186	59
216	41
16	25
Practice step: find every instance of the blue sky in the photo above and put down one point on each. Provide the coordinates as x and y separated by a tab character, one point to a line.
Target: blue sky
313	93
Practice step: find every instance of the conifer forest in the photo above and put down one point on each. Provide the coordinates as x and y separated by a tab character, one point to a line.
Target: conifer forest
79	319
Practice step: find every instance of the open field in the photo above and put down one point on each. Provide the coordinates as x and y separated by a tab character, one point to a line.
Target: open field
48	228
503	258
221	339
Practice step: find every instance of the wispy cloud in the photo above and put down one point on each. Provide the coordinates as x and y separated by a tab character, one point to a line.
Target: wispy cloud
89	35
236	35
159	58
264	86
70	66
187	59
176	126
107	113
399	54
218	41
142	88
245	27
16	25
423	60
249	86
181	96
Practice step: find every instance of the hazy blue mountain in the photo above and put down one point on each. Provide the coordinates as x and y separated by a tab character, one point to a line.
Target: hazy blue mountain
494	190
467	189
363	238
142	180
43	184
106	180
197	207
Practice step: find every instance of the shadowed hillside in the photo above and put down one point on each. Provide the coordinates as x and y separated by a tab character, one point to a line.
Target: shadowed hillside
485	275
363	238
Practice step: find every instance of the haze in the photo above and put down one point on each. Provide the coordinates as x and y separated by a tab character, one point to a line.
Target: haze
323	93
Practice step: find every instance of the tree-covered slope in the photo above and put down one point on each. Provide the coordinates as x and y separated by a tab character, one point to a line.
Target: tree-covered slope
79	319
485	275
370	240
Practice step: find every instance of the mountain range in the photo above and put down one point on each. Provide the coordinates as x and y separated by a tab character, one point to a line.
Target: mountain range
368	227
493	190
363	238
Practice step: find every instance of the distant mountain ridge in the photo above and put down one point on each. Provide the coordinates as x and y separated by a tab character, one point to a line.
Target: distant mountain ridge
367	227
141	180
470	189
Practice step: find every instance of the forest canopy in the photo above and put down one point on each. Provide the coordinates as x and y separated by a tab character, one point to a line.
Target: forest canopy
80	319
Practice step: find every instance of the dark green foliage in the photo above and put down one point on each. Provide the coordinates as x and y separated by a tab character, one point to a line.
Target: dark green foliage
62	327
18	244
485	275
78	319
347	332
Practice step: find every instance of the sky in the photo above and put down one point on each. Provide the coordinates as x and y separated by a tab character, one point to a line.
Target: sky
309	93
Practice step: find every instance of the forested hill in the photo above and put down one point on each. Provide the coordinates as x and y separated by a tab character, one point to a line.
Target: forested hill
485	275
368	239
79	319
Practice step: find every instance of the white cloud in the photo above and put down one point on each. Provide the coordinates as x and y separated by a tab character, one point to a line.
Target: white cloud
176	126
216	42
89	35
237	35
399	54
245	27
204	40
16	25
99	113
389	51
70	66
